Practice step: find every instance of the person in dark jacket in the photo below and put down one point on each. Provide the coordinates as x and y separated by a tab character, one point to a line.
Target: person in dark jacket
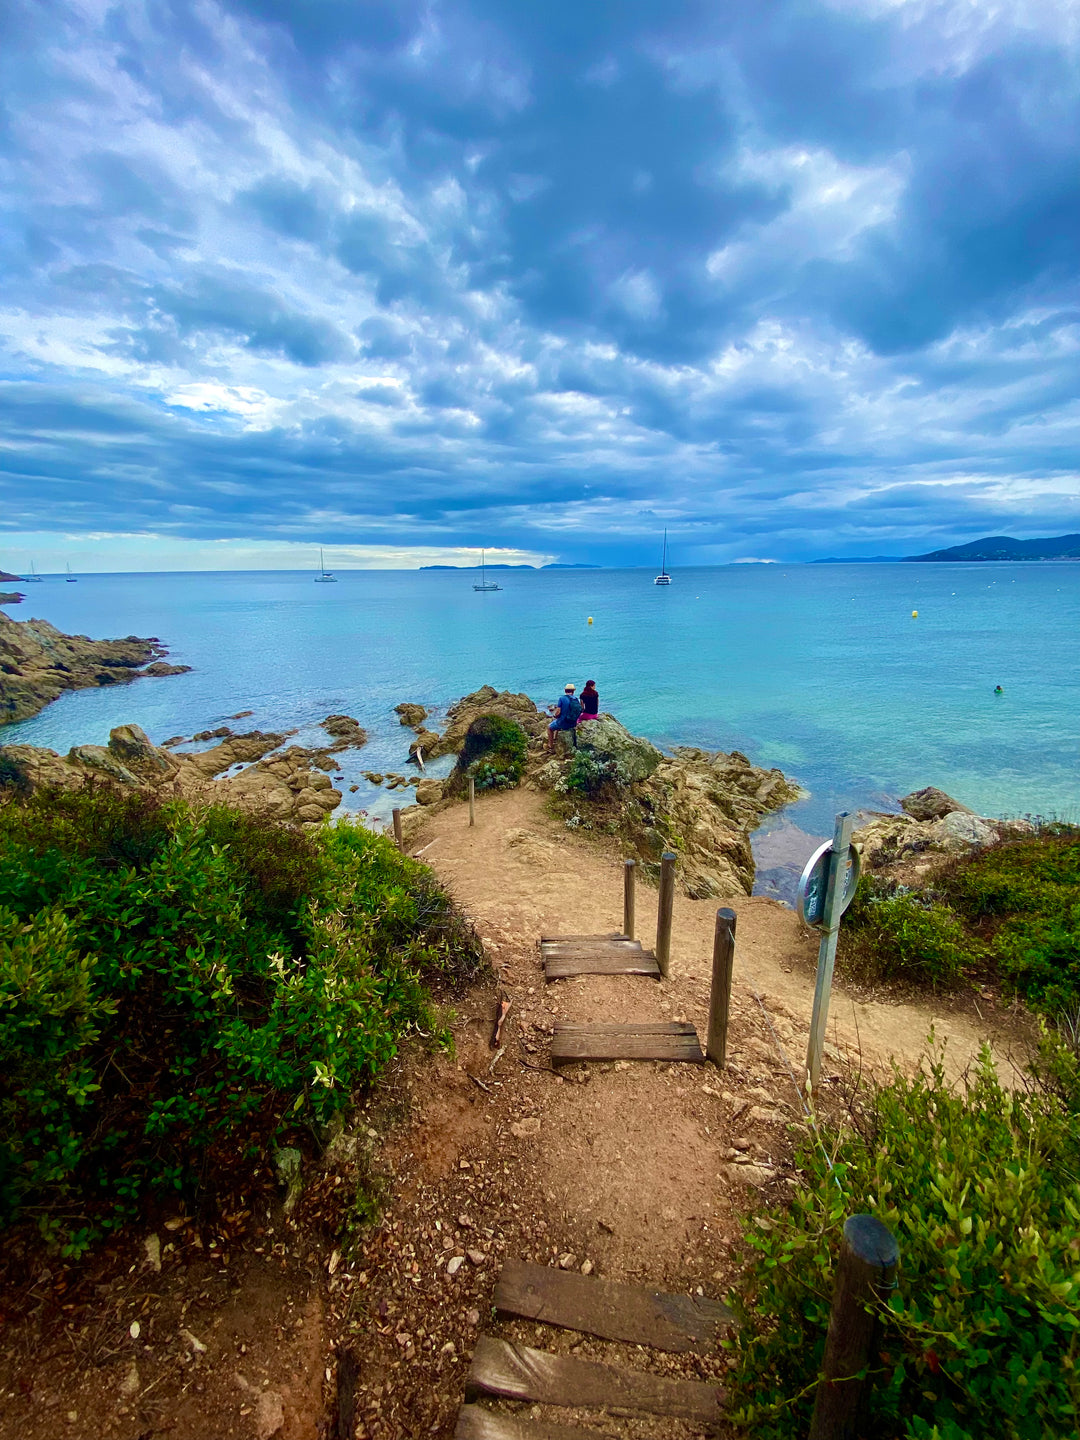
590	703
566	711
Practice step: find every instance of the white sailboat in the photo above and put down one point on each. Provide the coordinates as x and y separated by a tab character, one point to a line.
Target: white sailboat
663	578
71	579
324	577
485	584
33	578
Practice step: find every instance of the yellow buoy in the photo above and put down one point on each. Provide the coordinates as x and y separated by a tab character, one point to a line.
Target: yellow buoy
590	619
914	614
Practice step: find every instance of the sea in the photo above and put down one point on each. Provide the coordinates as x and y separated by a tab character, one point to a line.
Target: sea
862	682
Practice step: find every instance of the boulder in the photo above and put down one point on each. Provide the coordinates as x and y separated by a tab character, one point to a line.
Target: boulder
629	756
428	792
427	742
410	714
348	733
486	701
932	804
160	668
133	748
962	830
98	758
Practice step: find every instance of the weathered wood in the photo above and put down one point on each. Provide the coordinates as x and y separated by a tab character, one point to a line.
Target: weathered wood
591	942
562	939
518	1372
834	895
628	921
472	800
664	910
865	1274
608	1309
396	816
347	1407
673	1040
595	962
476	1423
723	959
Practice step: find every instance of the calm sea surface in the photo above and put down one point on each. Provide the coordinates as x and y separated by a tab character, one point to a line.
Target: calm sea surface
819	669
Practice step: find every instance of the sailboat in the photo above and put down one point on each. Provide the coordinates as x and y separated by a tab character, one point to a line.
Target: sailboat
71	579
324	577
485	584
663	578
33	578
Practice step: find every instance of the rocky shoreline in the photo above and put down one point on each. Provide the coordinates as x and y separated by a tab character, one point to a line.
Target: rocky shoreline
38	663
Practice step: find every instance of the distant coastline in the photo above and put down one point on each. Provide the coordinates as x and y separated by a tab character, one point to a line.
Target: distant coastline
512	567
993	547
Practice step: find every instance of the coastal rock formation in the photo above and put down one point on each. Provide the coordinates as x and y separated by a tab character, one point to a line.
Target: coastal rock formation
412	715
278	783
485	701
348	733
934	826
11	597
932	804
629	757
39	662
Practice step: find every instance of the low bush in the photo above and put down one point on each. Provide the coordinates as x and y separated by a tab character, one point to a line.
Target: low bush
982	1336
493	754
588	775
1012	911
170	974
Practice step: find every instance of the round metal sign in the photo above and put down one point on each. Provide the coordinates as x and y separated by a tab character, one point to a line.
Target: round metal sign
810	898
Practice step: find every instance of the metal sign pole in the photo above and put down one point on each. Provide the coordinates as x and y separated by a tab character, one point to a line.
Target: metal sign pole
834	901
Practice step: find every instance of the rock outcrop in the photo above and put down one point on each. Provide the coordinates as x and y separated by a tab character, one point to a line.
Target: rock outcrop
933	826
39	662
348	733
485	701
412	715
279	783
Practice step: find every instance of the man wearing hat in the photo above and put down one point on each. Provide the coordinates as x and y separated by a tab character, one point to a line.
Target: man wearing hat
566	711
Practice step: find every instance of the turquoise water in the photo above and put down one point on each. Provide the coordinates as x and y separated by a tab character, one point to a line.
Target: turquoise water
819	669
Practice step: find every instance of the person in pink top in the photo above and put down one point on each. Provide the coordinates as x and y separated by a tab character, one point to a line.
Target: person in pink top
590	703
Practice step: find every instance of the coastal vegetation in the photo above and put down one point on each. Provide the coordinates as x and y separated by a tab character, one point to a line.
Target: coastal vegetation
978	1184
176	977
1009	913
493	753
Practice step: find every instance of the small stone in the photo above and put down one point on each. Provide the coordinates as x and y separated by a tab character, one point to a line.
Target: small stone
129	1385
193	1341
269	1414
740	1142
567	1261
522	1129
134	1329
454	1264
464	1165
448	1348
586	1267
476	1257
152	1246
472	1317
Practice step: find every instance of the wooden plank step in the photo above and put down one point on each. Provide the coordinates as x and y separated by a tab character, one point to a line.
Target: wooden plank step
562	964
517	1372
674	1040
567	939
609	1309
476	1423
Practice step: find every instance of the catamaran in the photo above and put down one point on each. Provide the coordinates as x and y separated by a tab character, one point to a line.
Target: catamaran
663	578
324	577
485	584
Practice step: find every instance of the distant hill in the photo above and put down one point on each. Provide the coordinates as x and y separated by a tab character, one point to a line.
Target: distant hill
477	567
5	576
1003	547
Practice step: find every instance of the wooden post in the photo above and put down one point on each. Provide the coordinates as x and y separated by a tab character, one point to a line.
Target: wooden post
663	911
397	829
866	1273
629	869
723	958
834	895
472	801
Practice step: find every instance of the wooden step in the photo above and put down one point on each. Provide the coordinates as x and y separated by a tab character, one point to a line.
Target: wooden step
608	1309
576	939
517	1372
596	955
661	1040
476	1423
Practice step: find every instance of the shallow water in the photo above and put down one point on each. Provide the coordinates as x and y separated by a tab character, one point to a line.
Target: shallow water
819	669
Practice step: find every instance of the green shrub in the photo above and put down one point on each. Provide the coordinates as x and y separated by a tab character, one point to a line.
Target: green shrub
169	973
982	1337
493	754
893	933
588	774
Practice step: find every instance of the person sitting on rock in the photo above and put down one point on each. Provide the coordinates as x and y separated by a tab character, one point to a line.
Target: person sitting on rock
566	711
590	703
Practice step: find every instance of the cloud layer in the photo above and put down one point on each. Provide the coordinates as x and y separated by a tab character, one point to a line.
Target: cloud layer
789	279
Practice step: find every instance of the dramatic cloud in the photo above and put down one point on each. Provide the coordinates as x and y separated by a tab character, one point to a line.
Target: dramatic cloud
793	278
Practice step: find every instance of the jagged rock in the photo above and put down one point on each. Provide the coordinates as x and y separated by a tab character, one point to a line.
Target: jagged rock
218	734
412	715
888	839
236	750
885	839
160	668
373	777
99	758
427	742
631	757
932	804
428	792
132	747
963	830
348	733
38	662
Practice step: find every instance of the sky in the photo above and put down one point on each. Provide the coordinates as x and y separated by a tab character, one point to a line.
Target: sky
406	278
